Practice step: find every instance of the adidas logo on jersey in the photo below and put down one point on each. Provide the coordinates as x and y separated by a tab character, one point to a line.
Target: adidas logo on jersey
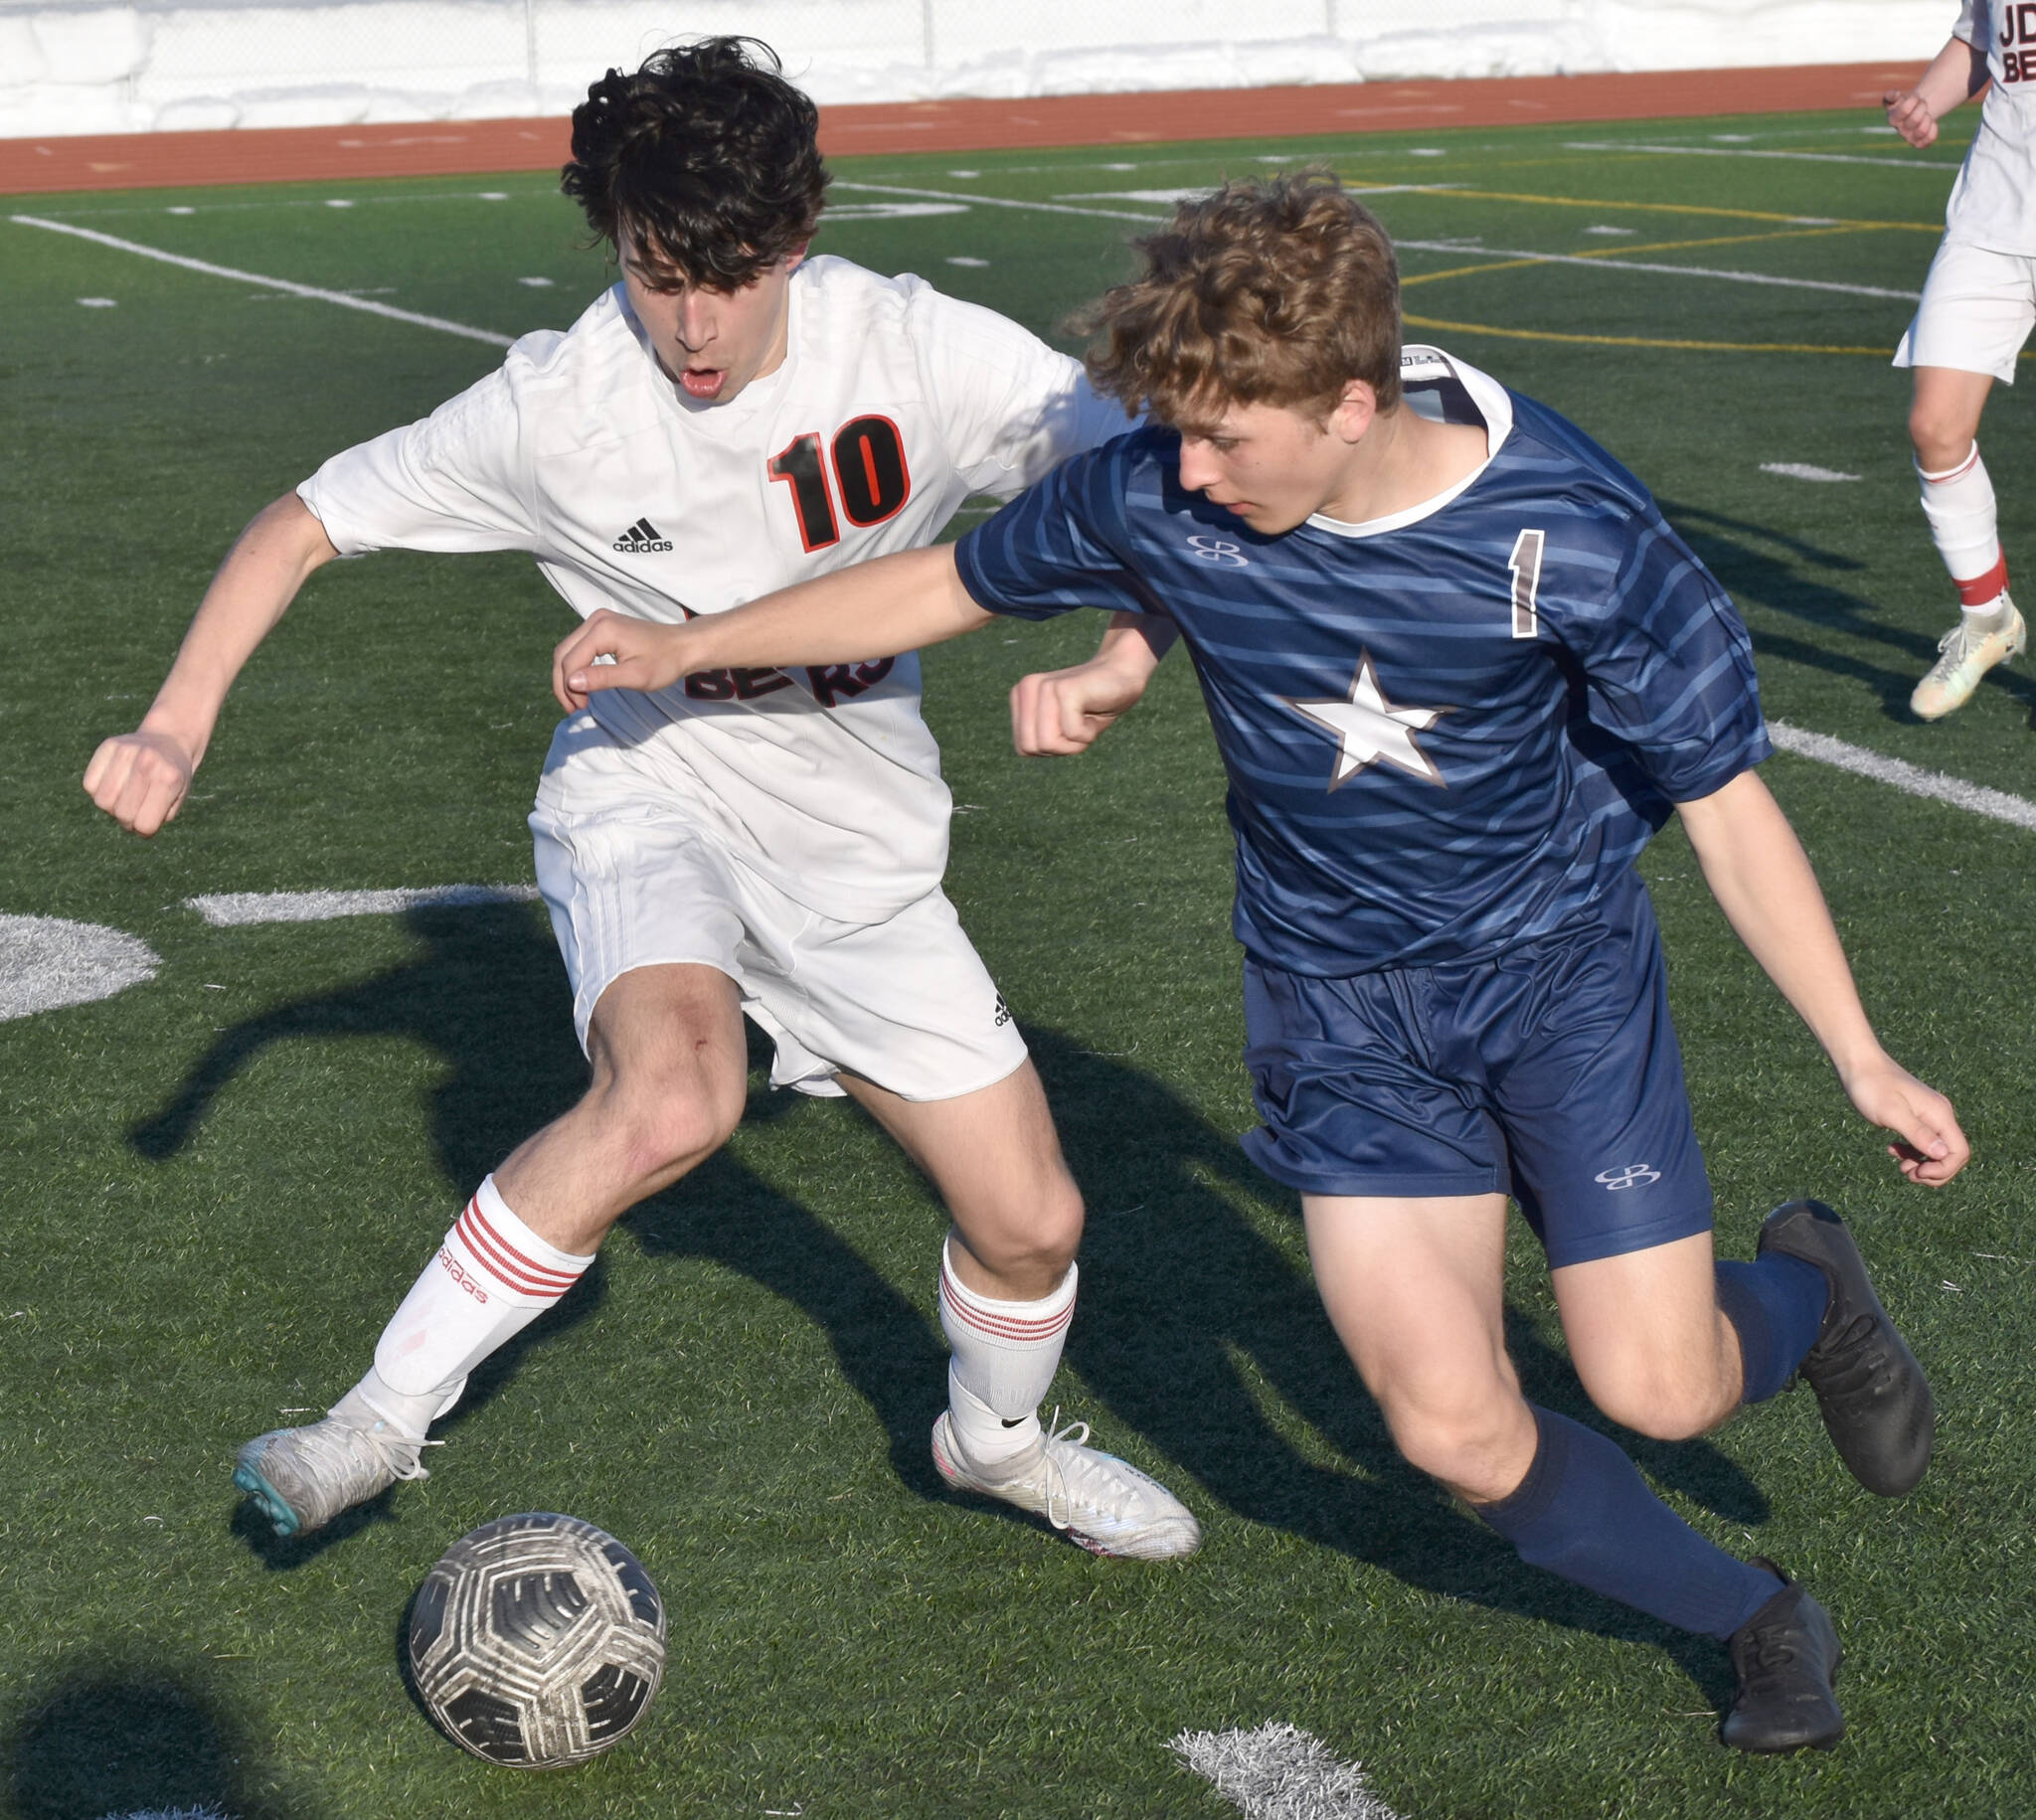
641	539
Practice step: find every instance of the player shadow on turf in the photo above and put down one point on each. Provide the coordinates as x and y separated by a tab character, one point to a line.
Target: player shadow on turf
488	995
1743	557
888	1351
112	1739
1196	1329
1200	1328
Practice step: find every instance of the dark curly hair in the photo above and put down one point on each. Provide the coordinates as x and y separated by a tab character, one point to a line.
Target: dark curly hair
707	156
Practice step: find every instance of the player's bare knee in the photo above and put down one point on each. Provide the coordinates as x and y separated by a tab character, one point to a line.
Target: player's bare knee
1459	1444
667	1124
1026	1230
1658	1401
1056	1223
1031	1262
1941	439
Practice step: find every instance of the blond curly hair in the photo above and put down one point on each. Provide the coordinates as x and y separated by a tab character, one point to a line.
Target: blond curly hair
1275	291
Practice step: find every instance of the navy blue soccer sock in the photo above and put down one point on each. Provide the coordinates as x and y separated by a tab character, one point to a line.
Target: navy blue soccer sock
1585	1513
1776	1305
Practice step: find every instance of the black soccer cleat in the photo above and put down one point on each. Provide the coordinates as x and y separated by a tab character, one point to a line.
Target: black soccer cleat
1873	1395
1786	1658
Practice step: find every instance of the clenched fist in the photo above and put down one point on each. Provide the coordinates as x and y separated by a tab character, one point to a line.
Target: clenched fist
141	780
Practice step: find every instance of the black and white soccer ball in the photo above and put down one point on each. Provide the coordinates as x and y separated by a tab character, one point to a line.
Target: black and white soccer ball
537	1641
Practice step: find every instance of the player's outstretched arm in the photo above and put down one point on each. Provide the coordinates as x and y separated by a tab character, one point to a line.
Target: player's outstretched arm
1762	878
1956	72
140	778
1062	712
875	609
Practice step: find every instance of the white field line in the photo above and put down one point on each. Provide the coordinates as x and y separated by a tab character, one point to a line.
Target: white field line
1899	774
1658	137
238	908
1045	207
1111	214
1339	155
1196	193
235	909
891	211
994	202
49	962
1280	1773
1497	252
1199	161
1805	470
297	202
1746	151
1675	271
339	297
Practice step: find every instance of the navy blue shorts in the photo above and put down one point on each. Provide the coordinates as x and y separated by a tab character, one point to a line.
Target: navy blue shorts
1550	1072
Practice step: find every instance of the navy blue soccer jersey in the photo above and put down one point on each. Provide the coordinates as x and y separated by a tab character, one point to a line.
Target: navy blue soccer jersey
1446	731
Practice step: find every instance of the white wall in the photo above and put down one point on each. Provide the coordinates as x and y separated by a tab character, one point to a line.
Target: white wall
80	68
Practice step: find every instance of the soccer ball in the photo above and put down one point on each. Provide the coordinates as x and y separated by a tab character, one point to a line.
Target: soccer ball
537	1641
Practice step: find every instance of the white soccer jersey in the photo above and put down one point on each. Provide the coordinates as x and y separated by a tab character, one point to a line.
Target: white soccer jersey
1993	203
892	404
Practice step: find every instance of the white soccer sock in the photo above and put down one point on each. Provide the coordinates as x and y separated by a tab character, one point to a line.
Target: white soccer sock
1963	522
491	1278
372	1400
1005	1355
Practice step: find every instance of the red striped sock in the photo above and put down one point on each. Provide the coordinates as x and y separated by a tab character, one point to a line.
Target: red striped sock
1984	591
491	1278
1959	502
1005	1355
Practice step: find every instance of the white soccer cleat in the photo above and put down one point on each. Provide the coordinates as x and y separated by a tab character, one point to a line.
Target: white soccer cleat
1966	654
1106	1505
304	1477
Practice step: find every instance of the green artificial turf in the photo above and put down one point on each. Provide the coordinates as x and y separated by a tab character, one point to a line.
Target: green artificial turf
216	1184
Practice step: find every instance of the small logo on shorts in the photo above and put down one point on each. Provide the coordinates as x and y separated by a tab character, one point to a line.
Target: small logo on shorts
1632	1174
1003	1016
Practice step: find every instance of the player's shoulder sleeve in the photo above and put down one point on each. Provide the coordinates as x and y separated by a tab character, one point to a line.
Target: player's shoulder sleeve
1666	660
1973	25
1006	405
1067	541
459	479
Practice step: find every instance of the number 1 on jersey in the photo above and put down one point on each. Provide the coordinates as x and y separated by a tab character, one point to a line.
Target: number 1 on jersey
1526	567
799	463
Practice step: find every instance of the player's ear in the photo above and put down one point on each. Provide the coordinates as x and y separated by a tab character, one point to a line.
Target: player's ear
1354	415
793	256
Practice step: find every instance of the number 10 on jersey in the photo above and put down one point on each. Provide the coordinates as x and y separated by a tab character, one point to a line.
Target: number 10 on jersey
868	459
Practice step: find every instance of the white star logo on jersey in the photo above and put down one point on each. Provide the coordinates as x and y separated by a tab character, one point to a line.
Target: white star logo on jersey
1369	730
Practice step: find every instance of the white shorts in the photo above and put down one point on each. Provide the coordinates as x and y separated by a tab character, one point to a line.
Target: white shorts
905	1002
1976	311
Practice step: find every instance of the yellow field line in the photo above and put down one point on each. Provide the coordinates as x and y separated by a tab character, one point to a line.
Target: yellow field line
1528	164
1640	341
1666	208
1719	240
1465	271
1608	253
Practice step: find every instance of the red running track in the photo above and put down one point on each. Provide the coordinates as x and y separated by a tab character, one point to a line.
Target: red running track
442	148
